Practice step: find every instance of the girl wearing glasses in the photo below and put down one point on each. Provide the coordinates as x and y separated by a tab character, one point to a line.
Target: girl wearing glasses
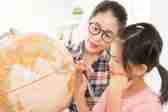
93	54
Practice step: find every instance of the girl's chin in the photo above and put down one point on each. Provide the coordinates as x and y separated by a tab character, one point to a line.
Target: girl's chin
93	51
91	48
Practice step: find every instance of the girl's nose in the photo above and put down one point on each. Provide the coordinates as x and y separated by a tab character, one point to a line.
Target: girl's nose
97	37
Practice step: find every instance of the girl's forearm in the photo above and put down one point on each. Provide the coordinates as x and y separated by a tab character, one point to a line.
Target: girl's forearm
63	105
81	103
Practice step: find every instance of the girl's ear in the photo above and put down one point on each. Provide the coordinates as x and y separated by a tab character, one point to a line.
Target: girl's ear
144	67
141	69
137	69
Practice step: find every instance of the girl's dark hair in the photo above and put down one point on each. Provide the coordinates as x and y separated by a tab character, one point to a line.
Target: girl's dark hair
114	7
143	45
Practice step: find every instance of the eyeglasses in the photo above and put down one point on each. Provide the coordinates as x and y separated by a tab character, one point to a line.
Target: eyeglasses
106	35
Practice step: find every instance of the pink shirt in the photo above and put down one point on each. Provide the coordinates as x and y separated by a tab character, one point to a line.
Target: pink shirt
144	101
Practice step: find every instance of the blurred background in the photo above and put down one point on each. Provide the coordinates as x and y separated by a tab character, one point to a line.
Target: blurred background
54	16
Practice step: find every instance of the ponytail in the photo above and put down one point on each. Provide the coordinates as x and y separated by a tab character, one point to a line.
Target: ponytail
164	86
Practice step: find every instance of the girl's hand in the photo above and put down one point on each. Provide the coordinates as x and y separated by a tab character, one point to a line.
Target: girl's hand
80	66
75	77
77	83
79	94
80	85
